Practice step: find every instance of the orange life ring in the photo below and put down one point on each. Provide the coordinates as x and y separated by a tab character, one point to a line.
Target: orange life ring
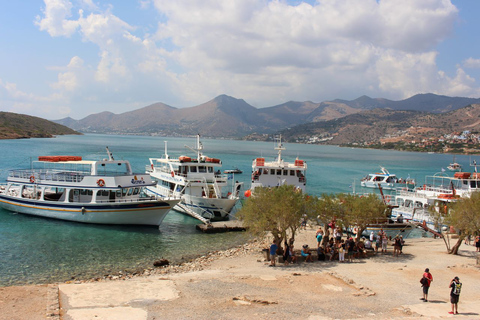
32	179
173	174
388	198
101	183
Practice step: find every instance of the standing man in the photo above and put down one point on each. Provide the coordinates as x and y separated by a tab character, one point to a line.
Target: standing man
456	286
427	280
273	253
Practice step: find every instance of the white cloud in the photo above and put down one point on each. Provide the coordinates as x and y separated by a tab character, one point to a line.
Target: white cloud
55	17
472	63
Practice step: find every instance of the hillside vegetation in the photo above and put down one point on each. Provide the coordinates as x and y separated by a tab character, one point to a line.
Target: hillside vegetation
19	126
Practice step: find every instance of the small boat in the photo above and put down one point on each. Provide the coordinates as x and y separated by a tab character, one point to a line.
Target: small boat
454	166
278	172
205	193
386	180
69	188
233	170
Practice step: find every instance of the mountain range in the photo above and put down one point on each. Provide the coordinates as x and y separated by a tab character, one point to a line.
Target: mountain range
225	116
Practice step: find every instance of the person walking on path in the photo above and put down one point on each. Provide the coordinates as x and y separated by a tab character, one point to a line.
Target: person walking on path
477	243
456	286
426	281
273	253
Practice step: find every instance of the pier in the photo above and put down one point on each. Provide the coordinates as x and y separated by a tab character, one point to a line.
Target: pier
221	226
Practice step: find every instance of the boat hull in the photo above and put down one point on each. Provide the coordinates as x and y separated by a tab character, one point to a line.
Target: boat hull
214	209
125	213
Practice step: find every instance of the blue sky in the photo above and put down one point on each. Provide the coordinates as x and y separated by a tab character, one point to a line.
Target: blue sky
62	58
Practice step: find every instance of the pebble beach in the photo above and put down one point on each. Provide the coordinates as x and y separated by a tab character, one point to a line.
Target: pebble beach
239	284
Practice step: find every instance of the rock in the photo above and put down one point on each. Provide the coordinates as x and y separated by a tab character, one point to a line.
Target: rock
161	263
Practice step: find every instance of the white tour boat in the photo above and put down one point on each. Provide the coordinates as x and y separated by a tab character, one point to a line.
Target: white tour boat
205	193
278	172
436	194
386	180
69	188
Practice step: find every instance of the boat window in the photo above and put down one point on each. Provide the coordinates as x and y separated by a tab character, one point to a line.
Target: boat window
202	169
135	191
210	169
272	172
265	171
418	204
80	195
408	203
473	184
400	202
285	172
29	192
130	191
193	169
292	172
279	172
53	194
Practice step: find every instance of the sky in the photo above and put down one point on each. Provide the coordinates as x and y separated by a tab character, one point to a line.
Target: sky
73	58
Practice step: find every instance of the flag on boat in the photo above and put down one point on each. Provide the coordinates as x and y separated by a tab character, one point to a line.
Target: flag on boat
230	176
443	170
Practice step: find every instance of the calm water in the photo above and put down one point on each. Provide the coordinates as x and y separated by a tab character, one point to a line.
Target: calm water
37	250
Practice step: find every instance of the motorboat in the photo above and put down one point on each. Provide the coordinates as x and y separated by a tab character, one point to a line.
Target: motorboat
454	166
69	188
278	172
386	181
205	193
234	170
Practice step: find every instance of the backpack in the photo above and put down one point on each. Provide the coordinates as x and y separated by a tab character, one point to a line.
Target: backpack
457	287
424	281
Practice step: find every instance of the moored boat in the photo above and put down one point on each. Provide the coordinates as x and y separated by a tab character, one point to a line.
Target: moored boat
205	193
278	172
386	181
234	170
68	188
429	204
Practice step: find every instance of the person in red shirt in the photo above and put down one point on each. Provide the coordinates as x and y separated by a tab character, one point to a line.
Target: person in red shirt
426	285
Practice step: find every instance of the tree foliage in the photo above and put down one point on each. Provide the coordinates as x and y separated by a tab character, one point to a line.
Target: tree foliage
464	216
276	210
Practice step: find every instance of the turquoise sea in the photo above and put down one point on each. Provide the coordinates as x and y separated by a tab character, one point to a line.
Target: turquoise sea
38	250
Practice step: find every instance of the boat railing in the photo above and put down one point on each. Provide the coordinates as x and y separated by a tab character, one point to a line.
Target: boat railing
47	175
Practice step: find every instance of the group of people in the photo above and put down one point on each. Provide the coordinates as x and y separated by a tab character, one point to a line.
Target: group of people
455	289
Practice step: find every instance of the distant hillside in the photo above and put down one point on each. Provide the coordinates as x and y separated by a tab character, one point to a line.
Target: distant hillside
388	125
18	126
229	117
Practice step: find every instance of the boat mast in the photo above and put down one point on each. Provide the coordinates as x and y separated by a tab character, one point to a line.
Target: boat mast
198	148
279	147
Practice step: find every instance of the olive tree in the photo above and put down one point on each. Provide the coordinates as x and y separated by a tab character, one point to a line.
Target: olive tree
275	210
464	216
326	209
360	211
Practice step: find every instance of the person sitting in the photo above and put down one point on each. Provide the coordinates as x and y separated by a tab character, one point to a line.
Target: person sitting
368	245
293	257
321	254
400	218
306	253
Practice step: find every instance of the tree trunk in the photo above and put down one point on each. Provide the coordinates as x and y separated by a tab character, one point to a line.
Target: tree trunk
454	249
